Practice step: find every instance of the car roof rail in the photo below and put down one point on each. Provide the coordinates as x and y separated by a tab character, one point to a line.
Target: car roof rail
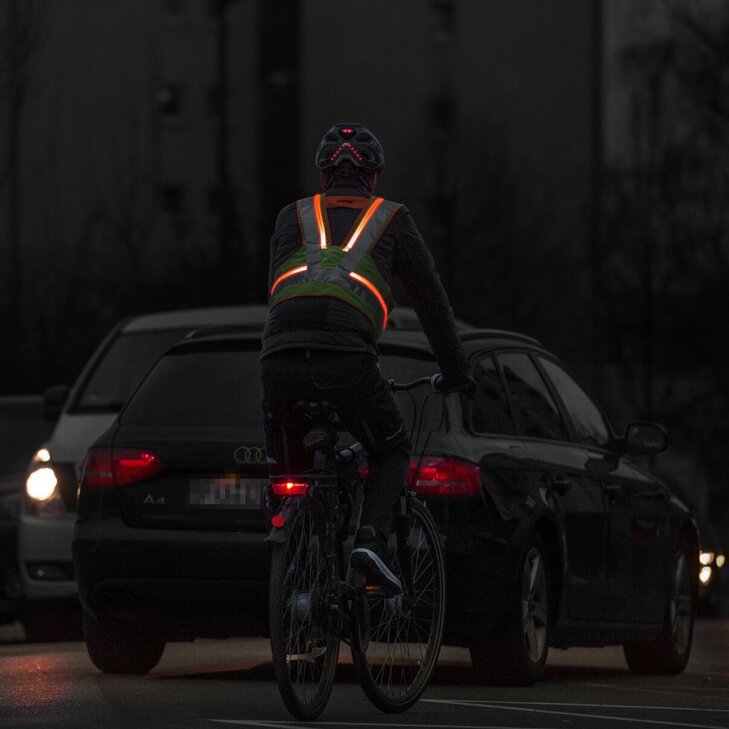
217	330
498	334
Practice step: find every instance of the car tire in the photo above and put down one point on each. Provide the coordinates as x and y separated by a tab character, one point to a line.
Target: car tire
669	653
118	648
514	654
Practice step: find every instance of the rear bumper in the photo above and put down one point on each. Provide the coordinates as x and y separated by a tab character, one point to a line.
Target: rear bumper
46	542
185	584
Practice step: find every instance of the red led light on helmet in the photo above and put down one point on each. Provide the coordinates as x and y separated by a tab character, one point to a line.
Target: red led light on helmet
350	150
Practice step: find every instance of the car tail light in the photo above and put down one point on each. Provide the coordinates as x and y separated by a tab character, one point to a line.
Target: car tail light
290	488
119	466
438	476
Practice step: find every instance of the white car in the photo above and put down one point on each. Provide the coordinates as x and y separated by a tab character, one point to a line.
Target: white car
83	413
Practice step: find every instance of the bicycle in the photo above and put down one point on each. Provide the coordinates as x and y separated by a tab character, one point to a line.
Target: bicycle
316	602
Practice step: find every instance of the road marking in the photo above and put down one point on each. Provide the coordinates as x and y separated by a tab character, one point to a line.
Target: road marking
686	690
601	706
496	705
288	724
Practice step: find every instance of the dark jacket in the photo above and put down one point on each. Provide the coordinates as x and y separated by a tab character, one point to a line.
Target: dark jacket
329	323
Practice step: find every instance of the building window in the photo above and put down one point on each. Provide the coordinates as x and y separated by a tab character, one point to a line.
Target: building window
172	199
173	8
214	201
170	100
443	23
214	100
443	112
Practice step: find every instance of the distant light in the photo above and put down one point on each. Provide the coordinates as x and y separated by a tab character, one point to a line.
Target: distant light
164	95
705	575
42	456
720	559
706	557
41	484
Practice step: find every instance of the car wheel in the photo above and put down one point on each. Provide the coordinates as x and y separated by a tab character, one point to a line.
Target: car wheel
669	653
514	654
118	648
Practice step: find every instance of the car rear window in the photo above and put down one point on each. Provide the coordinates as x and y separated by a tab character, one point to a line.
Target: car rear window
204	388
121	368
200	388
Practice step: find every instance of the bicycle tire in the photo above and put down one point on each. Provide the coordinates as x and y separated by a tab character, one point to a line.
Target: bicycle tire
304	646
395	659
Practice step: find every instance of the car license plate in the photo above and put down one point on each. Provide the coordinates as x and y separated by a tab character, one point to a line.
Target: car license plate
231	493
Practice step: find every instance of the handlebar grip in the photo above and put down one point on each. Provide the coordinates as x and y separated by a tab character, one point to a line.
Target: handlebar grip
402	386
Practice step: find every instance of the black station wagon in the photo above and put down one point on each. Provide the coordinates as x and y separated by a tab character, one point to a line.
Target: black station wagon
554	535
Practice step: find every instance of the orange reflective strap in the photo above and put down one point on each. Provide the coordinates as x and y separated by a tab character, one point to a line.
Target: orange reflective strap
320	221
376	202
284	276
373	289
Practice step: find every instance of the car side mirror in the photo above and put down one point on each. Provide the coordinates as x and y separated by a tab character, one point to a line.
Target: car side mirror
645	439
54	398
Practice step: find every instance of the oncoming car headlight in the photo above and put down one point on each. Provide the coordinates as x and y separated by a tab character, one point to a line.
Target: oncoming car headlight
42	490
705	574
41	484
42	455
709	564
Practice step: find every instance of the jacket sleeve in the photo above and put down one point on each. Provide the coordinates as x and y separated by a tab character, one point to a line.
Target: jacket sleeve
415	268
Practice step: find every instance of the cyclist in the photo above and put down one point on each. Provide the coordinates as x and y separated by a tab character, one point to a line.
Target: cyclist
332	259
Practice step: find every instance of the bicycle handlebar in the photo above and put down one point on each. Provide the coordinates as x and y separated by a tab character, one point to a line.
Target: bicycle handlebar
402	386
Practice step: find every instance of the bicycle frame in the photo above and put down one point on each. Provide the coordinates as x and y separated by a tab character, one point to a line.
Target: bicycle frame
317	600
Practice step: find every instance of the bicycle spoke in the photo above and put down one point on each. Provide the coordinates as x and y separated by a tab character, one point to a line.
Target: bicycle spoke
304	649
405	631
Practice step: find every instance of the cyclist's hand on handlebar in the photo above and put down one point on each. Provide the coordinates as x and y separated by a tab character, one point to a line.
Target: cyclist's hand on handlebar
466	385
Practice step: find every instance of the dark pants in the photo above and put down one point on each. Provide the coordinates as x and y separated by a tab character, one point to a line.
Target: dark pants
352	382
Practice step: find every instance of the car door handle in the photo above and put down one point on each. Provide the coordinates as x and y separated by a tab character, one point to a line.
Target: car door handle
561	485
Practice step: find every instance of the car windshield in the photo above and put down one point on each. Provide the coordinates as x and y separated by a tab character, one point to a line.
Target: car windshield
121	368
222	389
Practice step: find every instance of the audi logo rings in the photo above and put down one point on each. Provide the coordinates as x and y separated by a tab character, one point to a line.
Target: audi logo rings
249	454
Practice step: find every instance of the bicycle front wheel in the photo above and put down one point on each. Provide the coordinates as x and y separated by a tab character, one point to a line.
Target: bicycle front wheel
304	645
396	648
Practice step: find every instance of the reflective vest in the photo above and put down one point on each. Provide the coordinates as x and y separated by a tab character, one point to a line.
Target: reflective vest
346	272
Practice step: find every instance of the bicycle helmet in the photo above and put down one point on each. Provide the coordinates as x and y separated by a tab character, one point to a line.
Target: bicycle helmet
352	142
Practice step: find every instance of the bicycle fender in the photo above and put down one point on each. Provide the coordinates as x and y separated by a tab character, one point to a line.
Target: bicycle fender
278	535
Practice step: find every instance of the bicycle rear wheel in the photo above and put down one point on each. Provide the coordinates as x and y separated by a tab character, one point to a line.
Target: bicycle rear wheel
304	646
396	649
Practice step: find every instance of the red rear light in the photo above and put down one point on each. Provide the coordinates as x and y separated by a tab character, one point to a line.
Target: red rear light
119	466
132	466
98	469
290	488
436	476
